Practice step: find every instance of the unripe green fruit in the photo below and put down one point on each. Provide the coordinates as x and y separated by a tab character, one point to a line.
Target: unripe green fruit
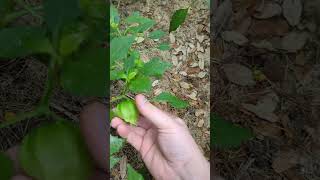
56	152
127	110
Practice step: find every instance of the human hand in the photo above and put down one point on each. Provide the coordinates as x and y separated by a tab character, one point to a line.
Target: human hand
165	144
94	128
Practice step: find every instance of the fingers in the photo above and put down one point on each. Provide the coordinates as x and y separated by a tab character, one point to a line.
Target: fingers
134	135
159	118
13	154
93	125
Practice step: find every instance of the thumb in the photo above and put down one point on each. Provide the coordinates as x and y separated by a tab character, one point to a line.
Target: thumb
157	117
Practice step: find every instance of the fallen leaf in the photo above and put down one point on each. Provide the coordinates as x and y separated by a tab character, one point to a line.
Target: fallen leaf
268	10
292	10
294	41
268	129
239	74
222	14
285	159
264	44
265	107
235	37
269	27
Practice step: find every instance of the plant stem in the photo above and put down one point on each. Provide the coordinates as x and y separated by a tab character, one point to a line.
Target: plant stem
51	81
117	98
29	9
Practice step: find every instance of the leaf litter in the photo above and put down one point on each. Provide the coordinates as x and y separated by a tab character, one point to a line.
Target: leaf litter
265	75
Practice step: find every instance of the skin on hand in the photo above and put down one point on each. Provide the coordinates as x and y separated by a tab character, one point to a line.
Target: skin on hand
165	144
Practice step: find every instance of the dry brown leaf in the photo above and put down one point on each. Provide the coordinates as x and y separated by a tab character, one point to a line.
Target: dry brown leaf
268	129
268	10
235	37
239	74
292	10
269	27
284	160
294	41
265	107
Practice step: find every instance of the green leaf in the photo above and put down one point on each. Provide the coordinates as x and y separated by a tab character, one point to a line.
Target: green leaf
72	37
178	19
58	13
23	41
164	47
56	151
87	75
171	99
143	23
6	166
155	67
120	47
115	144
133	174
113	161
117	74
224	134
129	63
114	17
140	84
157	34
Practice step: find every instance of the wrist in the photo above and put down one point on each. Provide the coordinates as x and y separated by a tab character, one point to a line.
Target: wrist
197	168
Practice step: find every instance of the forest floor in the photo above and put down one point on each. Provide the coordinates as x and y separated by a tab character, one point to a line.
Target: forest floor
188	79
22	80
266	77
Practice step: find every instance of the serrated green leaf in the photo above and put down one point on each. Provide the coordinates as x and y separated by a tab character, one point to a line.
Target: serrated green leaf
157	34
155	67
115	144
140	84
113	161
23	41
164	47
6	166
178	19
120	47
132	174
56	151
171	99
86	75
72	37
143	23
58	13
224	134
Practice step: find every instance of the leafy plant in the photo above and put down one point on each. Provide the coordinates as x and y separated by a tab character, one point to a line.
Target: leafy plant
134	74
69	40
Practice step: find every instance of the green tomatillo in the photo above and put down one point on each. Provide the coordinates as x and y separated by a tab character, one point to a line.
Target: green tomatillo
127	110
